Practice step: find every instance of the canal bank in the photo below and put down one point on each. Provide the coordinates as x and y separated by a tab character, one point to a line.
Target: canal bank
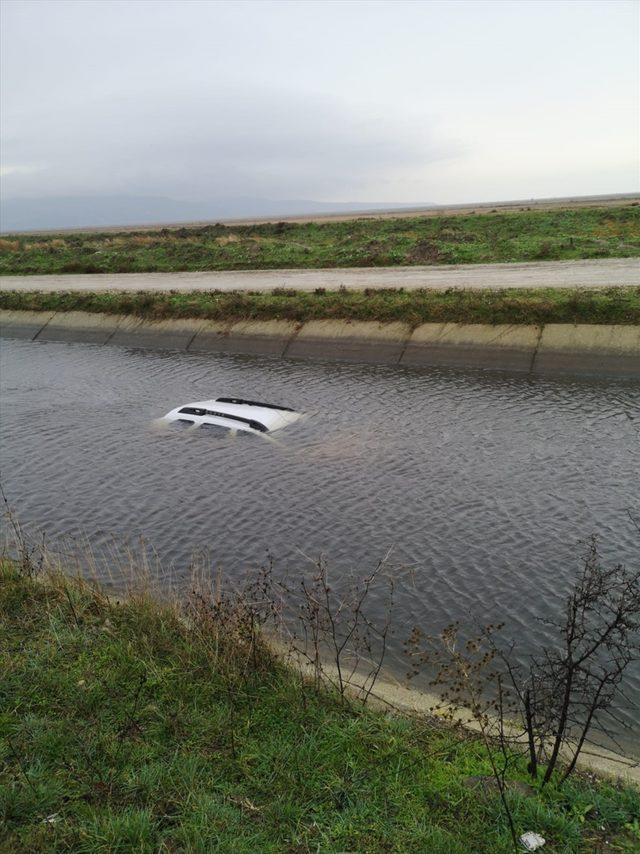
167	730
544	348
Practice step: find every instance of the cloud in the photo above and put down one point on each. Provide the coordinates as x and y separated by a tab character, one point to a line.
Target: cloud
12	169
192	145
353	101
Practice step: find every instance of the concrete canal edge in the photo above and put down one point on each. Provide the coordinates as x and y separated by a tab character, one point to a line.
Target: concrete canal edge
554	348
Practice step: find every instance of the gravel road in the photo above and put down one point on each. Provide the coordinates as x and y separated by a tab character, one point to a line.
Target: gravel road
598	273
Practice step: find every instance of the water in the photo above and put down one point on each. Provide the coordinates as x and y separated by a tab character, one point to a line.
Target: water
483	483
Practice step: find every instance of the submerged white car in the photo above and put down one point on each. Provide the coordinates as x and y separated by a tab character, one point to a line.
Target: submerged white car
231	415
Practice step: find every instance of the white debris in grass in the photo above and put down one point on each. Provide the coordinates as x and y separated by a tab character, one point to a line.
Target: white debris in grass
532	841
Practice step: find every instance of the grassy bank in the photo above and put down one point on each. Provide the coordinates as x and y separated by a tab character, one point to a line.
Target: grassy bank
481	238
123	729
551	305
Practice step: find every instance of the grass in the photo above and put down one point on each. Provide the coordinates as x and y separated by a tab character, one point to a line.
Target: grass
123	728
482	238
535	306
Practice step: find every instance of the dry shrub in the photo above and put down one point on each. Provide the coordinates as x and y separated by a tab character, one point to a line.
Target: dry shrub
425	252
233	620
334	633
46	245
549	706
456	235
143	240
9	245
112	242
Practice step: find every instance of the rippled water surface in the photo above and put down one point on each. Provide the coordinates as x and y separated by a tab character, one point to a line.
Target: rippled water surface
482	482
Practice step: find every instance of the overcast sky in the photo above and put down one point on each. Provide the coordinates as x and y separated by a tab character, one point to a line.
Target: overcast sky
336	101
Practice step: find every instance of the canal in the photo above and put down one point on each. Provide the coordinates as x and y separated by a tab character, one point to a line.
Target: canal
482	484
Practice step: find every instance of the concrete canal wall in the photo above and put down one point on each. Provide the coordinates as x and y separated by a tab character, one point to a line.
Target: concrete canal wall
586	349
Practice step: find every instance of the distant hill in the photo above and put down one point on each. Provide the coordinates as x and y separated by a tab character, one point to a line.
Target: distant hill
30	214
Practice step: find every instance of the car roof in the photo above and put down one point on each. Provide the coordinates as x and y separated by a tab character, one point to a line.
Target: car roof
268	415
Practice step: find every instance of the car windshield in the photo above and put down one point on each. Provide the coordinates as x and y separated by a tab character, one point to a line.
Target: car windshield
181	424
214	430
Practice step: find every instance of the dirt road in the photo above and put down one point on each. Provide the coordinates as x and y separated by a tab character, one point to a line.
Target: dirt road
609	272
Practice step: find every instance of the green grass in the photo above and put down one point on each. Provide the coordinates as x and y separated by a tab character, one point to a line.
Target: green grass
129	729
536	306
482	238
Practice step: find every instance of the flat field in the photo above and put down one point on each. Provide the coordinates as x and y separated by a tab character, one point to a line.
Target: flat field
526	235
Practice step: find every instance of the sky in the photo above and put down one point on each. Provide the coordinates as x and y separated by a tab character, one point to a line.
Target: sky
394	102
